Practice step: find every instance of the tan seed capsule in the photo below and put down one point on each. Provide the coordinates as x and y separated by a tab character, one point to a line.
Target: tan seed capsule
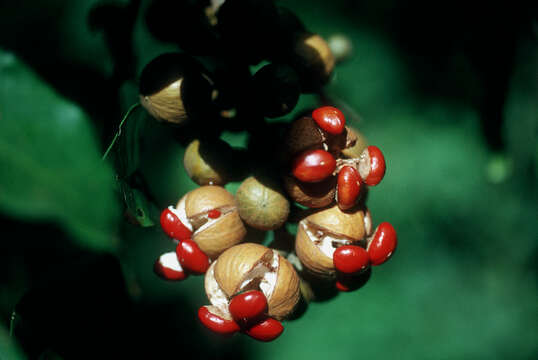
253	267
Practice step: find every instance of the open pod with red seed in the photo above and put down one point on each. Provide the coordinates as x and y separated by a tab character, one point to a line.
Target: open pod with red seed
210	212
319	235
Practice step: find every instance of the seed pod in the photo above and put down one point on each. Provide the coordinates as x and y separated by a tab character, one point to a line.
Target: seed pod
321	233
174	87
312	195
212	235
261	204
204	161
340	46
275	90
313	61
253	267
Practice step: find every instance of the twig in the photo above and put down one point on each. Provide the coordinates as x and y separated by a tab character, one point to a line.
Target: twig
131	109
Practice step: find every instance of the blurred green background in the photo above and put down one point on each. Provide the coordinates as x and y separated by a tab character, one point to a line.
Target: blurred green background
448	90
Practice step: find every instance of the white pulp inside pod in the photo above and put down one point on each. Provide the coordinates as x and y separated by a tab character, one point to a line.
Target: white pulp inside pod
169	260
216	296
181	213
326	243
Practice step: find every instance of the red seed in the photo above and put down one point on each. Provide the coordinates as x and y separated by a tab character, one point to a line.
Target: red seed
191	257
329	119
383	243
349	187
169	268
248	306
376	165
267	330
216	323
313	165
350	259
213	214
173	227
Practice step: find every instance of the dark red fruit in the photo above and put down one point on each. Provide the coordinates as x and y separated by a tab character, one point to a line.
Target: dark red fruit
313	165
216	323
191	257
169	268
267	330
213	214
329	119
173	227
350	259
349	187
248	306
383	244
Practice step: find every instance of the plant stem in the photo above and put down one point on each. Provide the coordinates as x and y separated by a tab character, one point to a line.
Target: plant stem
116	137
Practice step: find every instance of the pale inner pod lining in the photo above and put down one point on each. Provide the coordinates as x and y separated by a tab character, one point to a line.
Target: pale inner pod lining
364	164
217	297
326	243
181	213
210	221
266	274
169	260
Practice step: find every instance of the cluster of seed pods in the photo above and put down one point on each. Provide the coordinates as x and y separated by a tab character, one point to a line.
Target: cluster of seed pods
343	246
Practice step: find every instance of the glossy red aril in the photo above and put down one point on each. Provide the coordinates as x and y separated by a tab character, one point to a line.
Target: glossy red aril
372	165
248	306
313	165
349	187
213	214
382	244
191	257
329	119
267	330
350	259
173	227
169	268
216	323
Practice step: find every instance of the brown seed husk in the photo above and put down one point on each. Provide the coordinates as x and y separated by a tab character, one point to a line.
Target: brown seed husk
356	143
312	195
261	204
304	134
311	256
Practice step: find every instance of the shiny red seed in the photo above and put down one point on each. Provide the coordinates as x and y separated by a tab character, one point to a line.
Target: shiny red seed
313	166
329	119
191	257
351	259
213	214
377	166
349	187
173	227
216	323
383	244
267	330
169	268
248	306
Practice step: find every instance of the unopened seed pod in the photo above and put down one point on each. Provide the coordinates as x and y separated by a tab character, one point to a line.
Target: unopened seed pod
251	266
203	161
210	212
174	87
261	204
313	60
320	234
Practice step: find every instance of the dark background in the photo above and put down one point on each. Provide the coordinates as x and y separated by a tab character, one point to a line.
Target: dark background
448	91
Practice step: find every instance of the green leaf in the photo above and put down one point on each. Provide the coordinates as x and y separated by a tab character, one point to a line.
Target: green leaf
139	208
50	160
8	349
